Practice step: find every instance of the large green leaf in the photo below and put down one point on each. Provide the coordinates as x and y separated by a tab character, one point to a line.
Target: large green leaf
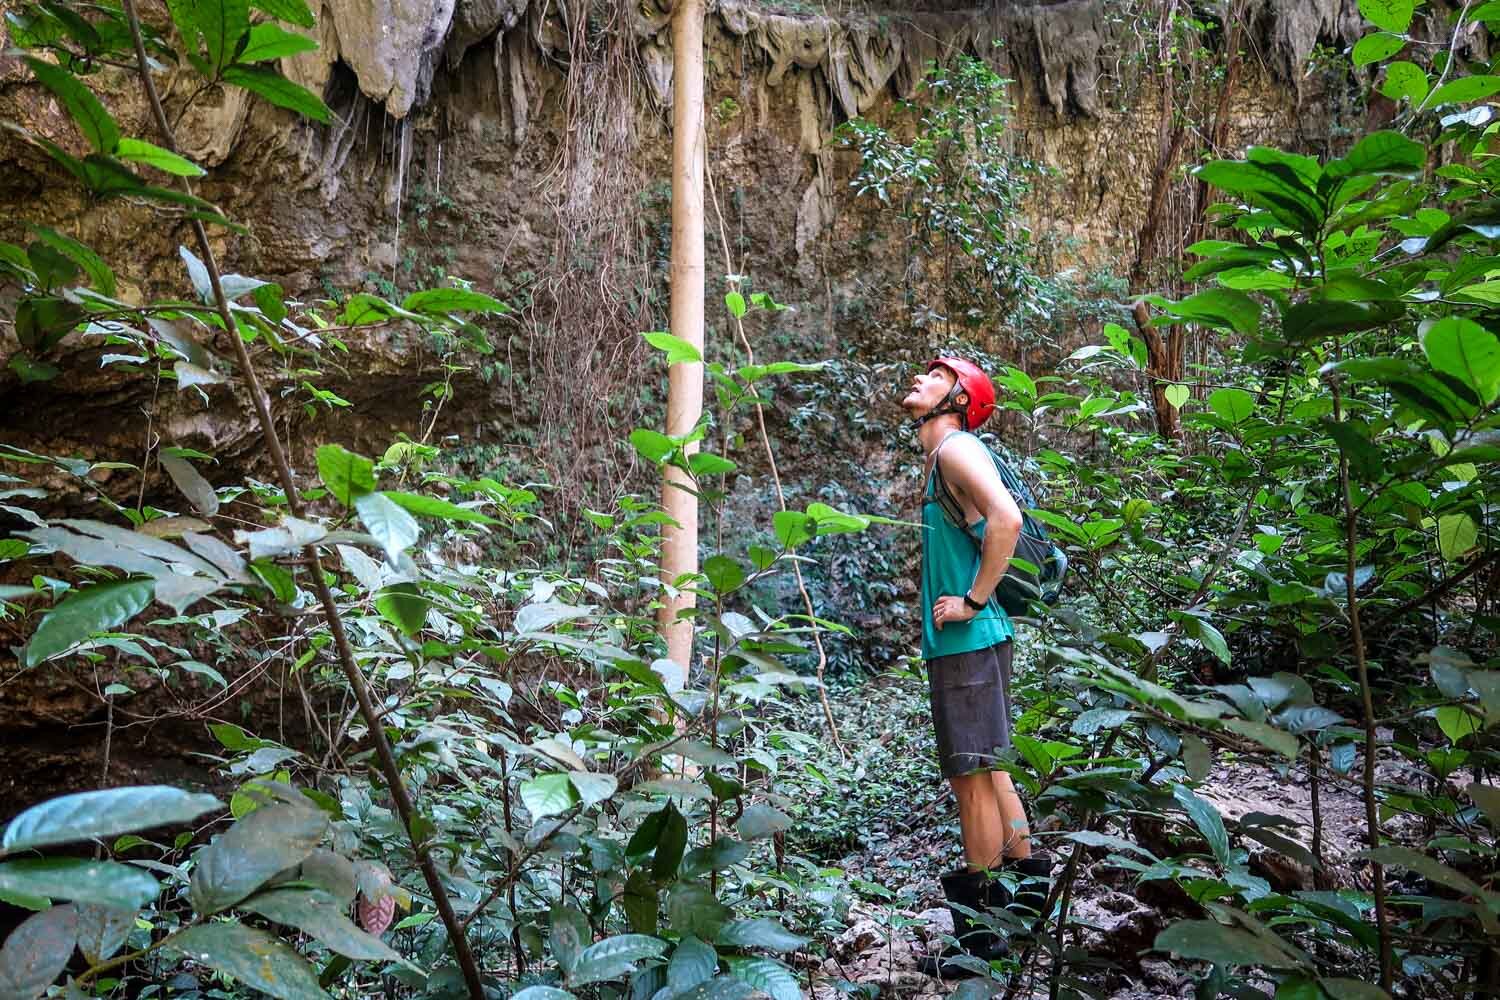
1404	80
768	976
291	11
1264	185
345	474
103	929
101	278
1429	868
106	813
92	118
36	952
140	151
1213	942
426	506
761	932
759	821
221	23
1467	351
1207	819
441	301
1376	46
403	605
267	841
693	909
199	491
1391	15
1270	737
693	961
670	846
1457	534
1222	307
271	41
252	956
613	957
318	914
388	523
81	614
1464	89
1319	318
548	795
279	91
105	883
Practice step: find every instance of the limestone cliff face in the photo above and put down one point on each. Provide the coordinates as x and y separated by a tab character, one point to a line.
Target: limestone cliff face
482	137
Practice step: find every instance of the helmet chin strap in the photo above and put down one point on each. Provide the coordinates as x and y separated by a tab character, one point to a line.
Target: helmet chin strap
944	408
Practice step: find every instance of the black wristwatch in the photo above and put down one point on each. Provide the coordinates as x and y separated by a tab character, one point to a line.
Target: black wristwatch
972	603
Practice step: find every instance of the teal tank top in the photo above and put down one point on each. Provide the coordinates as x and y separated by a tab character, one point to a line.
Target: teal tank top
949	562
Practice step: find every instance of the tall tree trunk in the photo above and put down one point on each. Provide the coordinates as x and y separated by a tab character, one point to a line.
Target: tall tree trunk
679	553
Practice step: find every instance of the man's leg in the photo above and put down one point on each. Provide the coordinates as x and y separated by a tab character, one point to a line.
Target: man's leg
1012	817
980	819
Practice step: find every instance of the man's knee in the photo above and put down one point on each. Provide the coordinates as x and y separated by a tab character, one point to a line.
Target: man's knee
969	787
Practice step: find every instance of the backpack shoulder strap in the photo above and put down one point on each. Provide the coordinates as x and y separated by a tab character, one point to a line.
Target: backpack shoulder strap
949	504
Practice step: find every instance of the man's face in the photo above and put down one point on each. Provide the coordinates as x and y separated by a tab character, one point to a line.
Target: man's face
928	390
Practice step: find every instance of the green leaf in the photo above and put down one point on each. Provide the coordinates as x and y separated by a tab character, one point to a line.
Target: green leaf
318	914
1487	798
272	41
1197	759
1234	405
1280	190
280	91
1207	819
102	930
670	845
593	788
345	474
1456	723
441	301
252	956
1223	307
613	957
761	932
36	952
364	309
542	993
1429	868
241	860
1375	47
548	795
392	527
107	813
1464	89
1457	534
222	23
736	303
1380	153
1177	394
640	902
724	574
101	278
768	976
693	909
84	612
199	491
759	821
105	883
652	445
427	506
1467	351
291	11
140	151
570	929
718	988
677	349
1318	318
403	605
92	118
694	961
1270	737
1213	942
1391	15
703	463
1352	989
1404	79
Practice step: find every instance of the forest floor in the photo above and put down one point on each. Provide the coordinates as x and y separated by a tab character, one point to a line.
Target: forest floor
888	807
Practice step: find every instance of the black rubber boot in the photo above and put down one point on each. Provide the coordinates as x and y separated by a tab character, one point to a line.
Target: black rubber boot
1035	875
978	892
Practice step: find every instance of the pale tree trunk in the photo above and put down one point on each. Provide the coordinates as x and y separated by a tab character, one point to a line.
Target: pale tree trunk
679	551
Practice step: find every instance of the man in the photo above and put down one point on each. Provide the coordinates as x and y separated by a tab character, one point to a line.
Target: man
967	643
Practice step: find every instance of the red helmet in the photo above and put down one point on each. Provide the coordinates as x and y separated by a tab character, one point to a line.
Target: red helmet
973	381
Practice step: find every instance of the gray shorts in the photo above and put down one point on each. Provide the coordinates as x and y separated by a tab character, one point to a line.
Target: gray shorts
970	695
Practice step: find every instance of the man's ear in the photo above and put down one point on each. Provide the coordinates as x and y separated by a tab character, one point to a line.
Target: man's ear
962	399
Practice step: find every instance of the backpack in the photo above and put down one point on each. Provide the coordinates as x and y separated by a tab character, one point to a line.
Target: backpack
1036	571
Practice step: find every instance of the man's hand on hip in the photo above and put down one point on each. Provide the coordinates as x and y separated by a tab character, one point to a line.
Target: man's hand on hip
950	609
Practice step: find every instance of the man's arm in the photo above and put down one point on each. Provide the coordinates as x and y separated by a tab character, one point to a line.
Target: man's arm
968	469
